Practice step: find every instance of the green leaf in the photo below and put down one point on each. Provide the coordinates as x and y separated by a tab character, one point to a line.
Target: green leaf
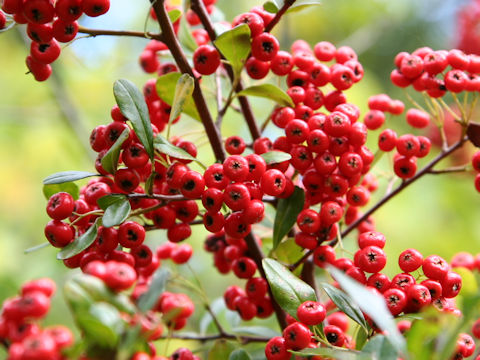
374	306
379	348
174	15
286	216
110	160
337	353
288	290
105	201
239	354
221	350
166	85
68	187
300	5
185	33
288	251
102	324
67	176
132	104
345	304
183	93
167	148
270	7
275	157
268	91
80	243
255	331
116	213
148	300
235	46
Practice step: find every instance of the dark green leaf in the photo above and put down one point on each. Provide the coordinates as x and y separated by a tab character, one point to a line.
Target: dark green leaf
379	348
221	350
166	85
183	93
268	91
67	176
361	338
288	290
167	148
35	248
345	304
255	331
337	353
286	216
102	324
235	46
80	243
373	305
132	104
270	7
302	5
239	354
116	213
68	187
174	15
110	160
275	157
148	300
288	251
105	201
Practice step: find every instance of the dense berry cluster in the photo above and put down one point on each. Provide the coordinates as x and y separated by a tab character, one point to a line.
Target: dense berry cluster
48	24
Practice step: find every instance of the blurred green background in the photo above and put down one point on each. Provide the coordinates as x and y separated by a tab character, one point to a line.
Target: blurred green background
438	215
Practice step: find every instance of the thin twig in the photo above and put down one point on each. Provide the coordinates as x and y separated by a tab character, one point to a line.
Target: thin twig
204	338
101	32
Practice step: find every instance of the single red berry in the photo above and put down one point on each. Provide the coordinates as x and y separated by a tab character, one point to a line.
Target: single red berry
45	53
410	260
206	59
58	233
192	185
402	281
372	259
418	296
334	335
451	284
311	313
276	349
434	267
323	255
179	232
405	167
256	288
131	234
297	336
126	179
396	300
244	267
95	8
265	46
64	31
253	20
60	206
379	281
433	287
68	10
182	253
119	276
273	182
257	69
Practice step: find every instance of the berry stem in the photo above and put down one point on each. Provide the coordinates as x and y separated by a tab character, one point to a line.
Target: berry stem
99	32
173	45
279	15
199	8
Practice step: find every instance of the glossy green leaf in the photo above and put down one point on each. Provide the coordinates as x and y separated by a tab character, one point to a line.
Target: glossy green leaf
268	91
174	15
239	354
167	148
221	350
166	85
255	331
337	353
288	251
97	290
374	306
116	213
345	304
157	286
68	187
379	348
132	104
275	157
302	5
102	324
80	243
105	201
110	160
289	291
235	46
67	176
271	7
183	93
286	216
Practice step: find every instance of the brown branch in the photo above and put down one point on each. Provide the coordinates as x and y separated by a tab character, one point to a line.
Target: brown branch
199	8
204	338
308	274
173	45
453	169
99	32
279	15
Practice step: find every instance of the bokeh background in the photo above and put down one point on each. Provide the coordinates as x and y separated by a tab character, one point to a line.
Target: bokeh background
44	128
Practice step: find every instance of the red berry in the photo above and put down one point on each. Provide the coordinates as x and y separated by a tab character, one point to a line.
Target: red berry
206	59
265	46
410	260
311	313
297	336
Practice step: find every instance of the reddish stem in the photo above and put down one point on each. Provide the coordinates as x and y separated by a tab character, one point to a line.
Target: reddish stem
279	15
98	32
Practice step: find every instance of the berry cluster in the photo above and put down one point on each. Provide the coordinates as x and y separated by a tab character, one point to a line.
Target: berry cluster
19	327
48	23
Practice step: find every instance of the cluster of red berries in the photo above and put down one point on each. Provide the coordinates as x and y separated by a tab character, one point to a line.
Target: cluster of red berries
19	327
48	23
437	72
